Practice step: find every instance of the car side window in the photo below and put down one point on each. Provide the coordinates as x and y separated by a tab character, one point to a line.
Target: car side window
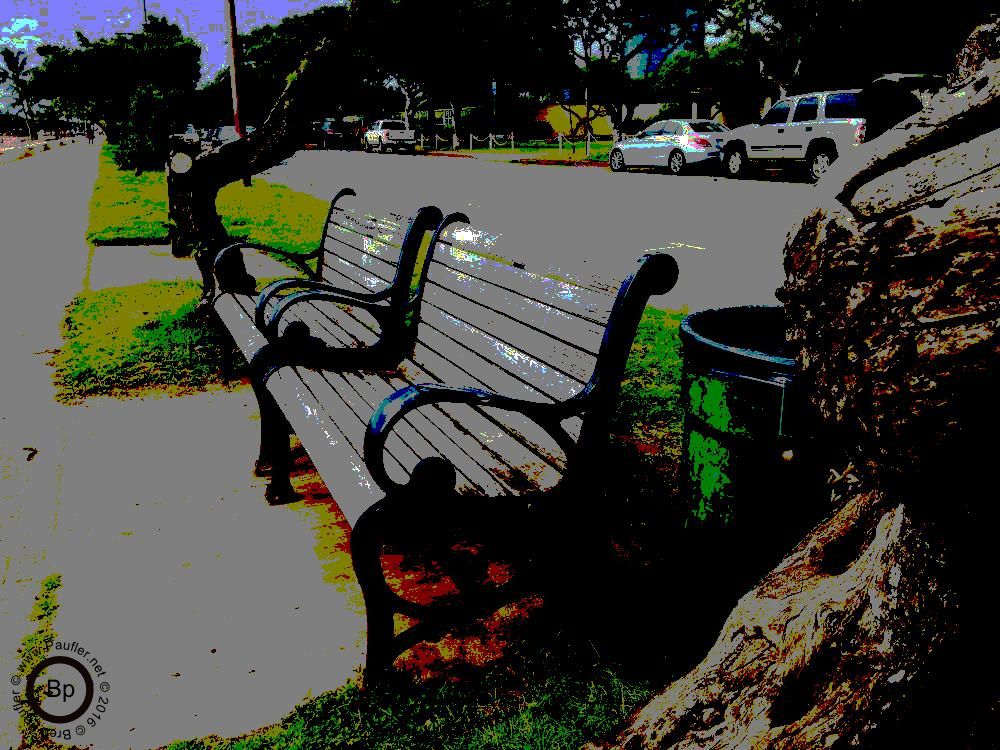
656	128
842	106
806	109
777	115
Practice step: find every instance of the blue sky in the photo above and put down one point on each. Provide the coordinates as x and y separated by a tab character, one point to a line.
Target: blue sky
27	23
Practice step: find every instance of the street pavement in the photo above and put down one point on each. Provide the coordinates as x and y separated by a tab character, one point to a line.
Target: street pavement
208	610
586	223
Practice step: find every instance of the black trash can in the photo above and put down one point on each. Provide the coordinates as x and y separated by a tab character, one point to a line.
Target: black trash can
742	461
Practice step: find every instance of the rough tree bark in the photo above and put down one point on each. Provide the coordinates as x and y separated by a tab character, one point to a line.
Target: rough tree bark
195	226
876	630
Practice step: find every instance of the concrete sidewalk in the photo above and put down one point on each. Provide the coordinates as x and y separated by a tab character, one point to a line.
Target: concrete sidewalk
208	610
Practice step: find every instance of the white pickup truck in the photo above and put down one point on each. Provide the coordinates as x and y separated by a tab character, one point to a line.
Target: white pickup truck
390	135
809	129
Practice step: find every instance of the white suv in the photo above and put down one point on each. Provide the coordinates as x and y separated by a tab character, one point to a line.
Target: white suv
808	129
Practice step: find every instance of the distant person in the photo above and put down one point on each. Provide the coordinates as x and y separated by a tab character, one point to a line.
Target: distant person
90	135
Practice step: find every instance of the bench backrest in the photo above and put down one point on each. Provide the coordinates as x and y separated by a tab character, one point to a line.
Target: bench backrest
518	333
360	245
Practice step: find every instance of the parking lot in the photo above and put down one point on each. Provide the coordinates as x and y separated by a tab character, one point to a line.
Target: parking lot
586	223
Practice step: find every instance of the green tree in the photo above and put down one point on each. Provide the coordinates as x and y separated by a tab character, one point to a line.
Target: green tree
463	49
16	77
138	87
269	52
723	74
821	44
606	37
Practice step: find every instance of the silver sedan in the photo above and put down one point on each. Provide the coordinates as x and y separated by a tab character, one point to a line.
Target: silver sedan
670	144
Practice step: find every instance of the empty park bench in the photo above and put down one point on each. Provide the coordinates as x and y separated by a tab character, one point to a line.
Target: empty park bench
500	398
368	254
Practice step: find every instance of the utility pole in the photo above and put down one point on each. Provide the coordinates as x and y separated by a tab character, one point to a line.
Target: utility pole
144	16
233	55
234	58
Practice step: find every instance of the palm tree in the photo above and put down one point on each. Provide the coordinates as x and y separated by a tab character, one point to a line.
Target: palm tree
14	75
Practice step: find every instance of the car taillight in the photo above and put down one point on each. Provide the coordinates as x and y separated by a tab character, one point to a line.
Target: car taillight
699	140
859	133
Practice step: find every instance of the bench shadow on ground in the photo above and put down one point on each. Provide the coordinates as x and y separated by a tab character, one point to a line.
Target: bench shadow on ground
639	591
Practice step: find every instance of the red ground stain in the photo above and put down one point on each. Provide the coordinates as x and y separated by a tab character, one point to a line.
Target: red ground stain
421	580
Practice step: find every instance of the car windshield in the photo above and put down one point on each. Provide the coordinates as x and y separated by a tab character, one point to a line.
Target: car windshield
707	127
656	127
395	124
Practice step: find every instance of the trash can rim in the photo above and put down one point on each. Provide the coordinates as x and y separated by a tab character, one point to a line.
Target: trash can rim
774	359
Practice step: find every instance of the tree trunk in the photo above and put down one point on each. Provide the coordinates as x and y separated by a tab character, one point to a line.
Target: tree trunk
870	632
195	224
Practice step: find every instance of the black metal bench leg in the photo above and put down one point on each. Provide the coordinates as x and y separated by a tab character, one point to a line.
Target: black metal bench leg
275	456
268	418
366	555
279	491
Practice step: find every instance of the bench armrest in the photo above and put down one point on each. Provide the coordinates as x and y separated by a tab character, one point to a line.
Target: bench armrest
297	259
548	415
317	289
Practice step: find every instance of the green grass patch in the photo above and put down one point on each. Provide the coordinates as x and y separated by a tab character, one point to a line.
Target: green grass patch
542	702
131	338
126	207
599	151
650	399
271	214
35	647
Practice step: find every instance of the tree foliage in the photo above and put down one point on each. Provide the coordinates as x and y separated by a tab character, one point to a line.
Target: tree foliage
16	78
138	87
605	37
462	49
269	53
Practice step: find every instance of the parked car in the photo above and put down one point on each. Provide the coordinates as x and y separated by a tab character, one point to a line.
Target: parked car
809	130
670	144
390	135
332	133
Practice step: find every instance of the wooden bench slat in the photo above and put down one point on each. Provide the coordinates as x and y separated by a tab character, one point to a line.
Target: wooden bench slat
487	354
236	312
330	451
475	470
345	329
326	320
542	316
400	445
386	226
339	272
466	249
435	438
546	349
360	248
435	367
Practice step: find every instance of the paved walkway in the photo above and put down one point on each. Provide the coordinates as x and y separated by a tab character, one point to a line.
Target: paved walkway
209	611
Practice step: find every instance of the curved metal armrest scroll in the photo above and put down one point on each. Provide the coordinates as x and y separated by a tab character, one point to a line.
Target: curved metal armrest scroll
547	415
321	289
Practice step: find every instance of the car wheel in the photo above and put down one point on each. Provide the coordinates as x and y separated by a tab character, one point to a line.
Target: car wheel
617	161
734	162
820	160
675	162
